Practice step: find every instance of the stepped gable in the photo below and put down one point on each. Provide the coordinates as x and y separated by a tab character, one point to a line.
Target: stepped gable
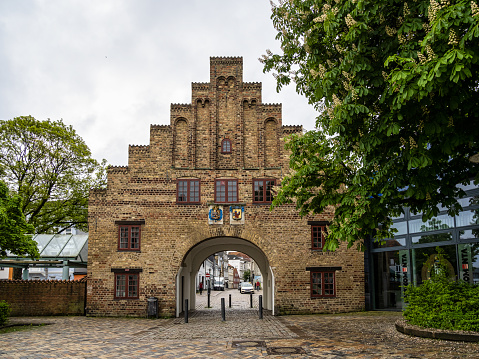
139	148
97	191
160	127
252	85
117	169
287	130
180	107
272	106
227	60
200	86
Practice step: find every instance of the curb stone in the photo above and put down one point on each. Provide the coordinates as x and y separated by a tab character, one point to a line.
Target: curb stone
458	336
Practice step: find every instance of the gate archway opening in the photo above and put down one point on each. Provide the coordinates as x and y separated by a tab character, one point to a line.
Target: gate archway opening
186	277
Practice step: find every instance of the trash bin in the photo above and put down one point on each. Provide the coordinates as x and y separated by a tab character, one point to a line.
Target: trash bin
152	308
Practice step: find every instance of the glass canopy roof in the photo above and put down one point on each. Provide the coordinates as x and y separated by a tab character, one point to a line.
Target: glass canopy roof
58	247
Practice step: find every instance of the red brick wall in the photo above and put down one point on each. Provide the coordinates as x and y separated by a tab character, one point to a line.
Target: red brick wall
44	297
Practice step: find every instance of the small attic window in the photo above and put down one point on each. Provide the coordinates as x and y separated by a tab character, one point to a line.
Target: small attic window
226	146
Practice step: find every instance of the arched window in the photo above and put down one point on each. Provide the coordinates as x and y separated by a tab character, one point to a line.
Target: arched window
226	146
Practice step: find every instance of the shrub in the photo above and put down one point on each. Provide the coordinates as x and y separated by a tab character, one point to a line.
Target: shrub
443	304
4	312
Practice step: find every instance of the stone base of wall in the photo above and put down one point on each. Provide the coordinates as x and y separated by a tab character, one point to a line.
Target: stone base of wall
44	297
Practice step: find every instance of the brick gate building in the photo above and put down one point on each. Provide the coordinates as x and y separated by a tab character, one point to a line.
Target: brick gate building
201	186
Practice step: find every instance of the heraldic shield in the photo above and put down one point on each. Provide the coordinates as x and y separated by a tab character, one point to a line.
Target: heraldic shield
215	215
236	215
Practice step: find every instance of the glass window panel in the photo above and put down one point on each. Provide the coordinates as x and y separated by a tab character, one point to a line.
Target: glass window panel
194	191
316	283
135	237
226	145
468	186
42	240
428	262
269	191
328	283
398	217
317	238
182	191
467	201
388	279
258	191
392	242
120	285
55	246
440	222
467	218
401	228
431	238
72	248
469	234
220	191
123	237
132	286
232	191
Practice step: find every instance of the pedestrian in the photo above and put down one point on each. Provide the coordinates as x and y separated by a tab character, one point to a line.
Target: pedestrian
257	285
201	288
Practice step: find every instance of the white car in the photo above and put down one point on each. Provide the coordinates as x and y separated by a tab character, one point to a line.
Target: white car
246	288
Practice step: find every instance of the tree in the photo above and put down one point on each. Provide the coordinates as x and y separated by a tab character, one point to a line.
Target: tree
14	230
49	165
247	275
396	87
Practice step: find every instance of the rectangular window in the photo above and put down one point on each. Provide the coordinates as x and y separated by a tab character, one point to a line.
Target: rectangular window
318	237
126	285
323	284
188	191
443	221
129	238
263	190
226	191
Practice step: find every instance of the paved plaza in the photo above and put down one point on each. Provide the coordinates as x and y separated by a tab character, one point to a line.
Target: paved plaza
243	335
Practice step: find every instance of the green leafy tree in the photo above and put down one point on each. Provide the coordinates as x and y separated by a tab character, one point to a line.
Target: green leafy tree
396	87
247	275
49	165
15	232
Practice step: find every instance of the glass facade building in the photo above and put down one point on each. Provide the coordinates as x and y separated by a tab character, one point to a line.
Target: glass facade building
417	249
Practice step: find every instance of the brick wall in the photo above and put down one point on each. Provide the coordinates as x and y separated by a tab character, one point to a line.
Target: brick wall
40	297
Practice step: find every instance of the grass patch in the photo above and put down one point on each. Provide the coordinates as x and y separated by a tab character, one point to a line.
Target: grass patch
19	328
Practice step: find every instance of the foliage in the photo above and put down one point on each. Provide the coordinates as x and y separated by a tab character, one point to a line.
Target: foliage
247	275
441	303
396	87
49	165
4	312
13	227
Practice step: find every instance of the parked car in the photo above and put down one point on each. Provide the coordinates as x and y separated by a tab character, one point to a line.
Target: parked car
246	288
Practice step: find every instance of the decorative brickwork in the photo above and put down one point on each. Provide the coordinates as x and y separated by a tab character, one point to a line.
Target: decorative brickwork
44	297
176	237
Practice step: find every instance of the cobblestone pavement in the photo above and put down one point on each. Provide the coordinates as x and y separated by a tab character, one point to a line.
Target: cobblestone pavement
369	335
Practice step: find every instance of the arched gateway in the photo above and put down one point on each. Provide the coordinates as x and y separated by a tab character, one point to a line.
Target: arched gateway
185	284
205	184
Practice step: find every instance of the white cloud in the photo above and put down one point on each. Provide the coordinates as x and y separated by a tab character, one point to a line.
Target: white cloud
111	68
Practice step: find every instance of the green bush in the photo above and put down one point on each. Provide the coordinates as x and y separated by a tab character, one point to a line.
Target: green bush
443	304
4	312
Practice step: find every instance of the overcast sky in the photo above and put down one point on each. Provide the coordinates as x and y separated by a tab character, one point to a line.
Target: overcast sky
111	68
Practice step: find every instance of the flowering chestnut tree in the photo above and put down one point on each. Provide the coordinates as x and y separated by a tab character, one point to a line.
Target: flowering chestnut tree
396	87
